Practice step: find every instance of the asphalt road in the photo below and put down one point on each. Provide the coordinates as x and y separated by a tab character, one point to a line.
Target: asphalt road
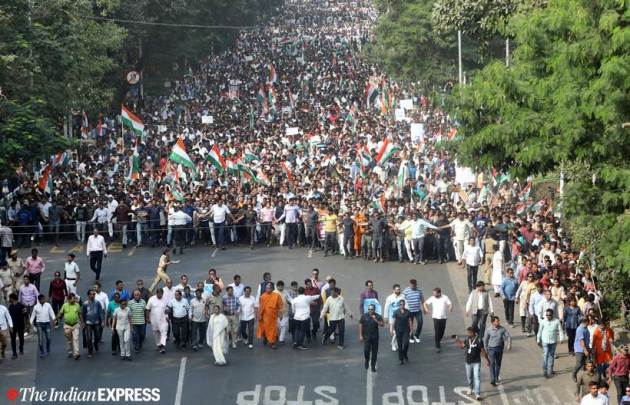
322	375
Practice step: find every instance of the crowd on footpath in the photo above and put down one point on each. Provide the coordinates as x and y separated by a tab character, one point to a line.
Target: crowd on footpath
293	139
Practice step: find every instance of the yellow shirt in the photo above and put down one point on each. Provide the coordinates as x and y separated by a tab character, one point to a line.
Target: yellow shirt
330	223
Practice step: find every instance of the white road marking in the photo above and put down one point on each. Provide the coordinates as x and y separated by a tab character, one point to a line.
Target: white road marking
504	398
180	381
369	388
310	253
214	252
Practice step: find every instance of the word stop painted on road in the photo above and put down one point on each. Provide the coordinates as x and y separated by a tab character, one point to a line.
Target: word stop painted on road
278	395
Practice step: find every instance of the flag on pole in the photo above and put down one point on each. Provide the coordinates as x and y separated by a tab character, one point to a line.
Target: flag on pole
378	203
179	155
85	125
261	94
60	159
524	194
134	164
250	157
247	171
286	168
387	151
231	166
45	181
371	94
215	158
403	174
272	75
132	121
262	178
351	119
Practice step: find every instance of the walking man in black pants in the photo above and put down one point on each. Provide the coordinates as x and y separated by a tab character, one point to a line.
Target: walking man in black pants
440	306
96	250
368	334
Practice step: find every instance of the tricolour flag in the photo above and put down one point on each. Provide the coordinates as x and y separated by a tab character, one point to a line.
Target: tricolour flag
272	75
179	155
85	125
261	94
247	171
286	168
60	159
262	178
250	157
232	168
378	203
215	158
524	194
132	121
403	174
386	152
371	94
45	181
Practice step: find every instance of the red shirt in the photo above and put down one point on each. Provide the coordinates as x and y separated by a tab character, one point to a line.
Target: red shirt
620	366
57	290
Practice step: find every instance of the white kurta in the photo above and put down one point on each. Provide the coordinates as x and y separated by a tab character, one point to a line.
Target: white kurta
157	311
497	268
217	337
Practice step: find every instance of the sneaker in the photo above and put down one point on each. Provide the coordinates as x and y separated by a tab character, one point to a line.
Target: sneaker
417	338
250	346
412	340
233	345
478	398
340	347
303	348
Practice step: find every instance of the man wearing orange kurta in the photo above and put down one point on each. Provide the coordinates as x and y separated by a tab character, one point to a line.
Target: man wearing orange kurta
359	219
269	312
603	338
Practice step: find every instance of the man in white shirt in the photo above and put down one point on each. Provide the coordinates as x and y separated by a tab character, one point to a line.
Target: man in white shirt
219	213
391	306
594	397
237	286
479	306
301	306
472	256
96	250
336	309
418	230
43	317
199	320
112	204
71	273
440	306
178	220
157	318
248	305
183	283
100	219
6	327
462	229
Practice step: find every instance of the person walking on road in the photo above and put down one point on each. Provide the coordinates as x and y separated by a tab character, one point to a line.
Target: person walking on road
96	250
509	286
122	326
473	346
156	307
71	273
472	256
161	274
368	334
619	371
581	347
402	328
72	323
414	299
547	338
94	317
439	305
495	340
479	305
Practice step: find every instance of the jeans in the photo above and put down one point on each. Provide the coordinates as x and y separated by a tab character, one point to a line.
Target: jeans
402	339
472	276
570	338
334	325
180	237
80	230
370	351
291	233
96	260
580	361
549	353
418	249
473	375
17	335
43	337
92	336
508	306
315	321
329	242
621	382
419	322
495	355
440	326
139	228
198	333
479	322
180	331
219	229
302	330
138	332
247	331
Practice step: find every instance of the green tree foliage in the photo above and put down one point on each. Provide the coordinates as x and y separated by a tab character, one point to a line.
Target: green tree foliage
407	46
562	100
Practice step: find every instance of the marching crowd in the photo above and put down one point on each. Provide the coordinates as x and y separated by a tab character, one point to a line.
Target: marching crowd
293	139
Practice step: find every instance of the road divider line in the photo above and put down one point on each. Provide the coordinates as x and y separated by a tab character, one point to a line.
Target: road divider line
369	388
180	381
214	252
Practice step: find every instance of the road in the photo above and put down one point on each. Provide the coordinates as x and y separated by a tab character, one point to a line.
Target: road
323	375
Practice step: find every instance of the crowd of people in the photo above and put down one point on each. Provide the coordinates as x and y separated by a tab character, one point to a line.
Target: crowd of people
292	138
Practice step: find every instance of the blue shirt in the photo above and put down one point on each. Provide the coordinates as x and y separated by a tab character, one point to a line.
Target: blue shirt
572	317
508	288
413	298
581	334
124	295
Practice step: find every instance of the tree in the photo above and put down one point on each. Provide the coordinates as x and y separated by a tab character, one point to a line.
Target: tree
563	100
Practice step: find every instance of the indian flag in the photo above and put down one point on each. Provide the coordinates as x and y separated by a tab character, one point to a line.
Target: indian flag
45	181
250	157
364	156
216	159
371	93
351	118
132	121
60	159
403	174
378	203
286	167
85	125
261	94
273	76
247	171
262	178
231	166
179	155
386	152
134	164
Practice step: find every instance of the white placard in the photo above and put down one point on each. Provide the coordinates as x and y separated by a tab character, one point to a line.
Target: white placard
407	104
465	175
400	114
293	130
207	119
417	132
